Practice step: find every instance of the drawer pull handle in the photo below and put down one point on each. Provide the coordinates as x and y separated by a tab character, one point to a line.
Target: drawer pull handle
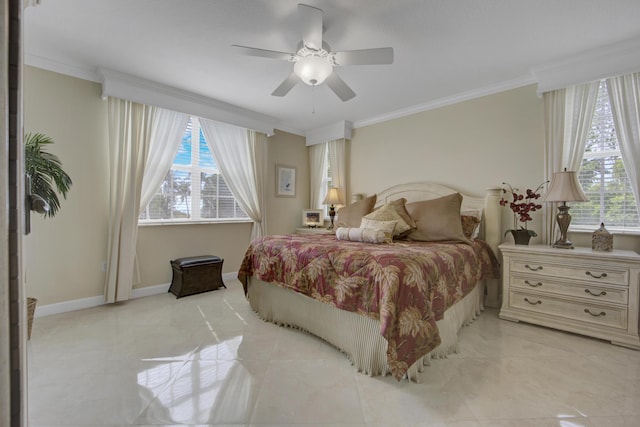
533	285
533	303
601	294
588	273
538	268
602	313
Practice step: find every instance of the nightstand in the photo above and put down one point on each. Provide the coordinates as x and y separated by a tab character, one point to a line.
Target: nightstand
317	230
576	290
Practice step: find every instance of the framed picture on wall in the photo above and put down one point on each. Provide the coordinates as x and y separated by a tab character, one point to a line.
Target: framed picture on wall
312	218
285	181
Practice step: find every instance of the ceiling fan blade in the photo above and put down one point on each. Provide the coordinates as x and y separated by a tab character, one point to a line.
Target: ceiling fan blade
339	87
311	26
286	85
383	55
272	54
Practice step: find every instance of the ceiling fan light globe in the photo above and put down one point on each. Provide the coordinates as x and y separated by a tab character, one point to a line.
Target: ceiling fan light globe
313	70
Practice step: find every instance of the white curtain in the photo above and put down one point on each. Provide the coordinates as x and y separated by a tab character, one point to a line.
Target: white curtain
337	159
165	141
258	145
317	172
554	133
624	94
580	104
242	163
130	129
567	114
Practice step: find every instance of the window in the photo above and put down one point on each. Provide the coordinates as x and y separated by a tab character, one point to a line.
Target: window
603	177
193	189
327	182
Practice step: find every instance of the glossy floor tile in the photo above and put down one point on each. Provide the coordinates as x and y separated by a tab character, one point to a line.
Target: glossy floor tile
209	360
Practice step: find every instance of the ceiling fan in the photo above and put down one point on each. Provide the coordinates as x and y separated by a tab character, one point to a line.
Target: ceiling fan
314	61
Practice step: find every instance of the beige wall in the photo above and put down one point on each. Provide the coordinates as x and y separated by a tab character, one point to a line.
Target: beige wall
64	254
285	213
157	245
470	146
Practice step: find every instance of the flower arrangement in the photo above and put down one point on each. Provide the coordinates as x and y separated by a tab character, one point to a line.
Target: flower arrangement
522	205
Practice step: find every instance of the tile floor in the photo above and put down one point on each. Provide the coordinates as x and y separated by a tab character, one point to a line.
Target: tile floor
208	360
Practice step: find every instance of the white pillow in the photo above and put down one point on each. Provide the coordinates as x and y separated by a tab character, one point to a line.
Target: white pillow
365	235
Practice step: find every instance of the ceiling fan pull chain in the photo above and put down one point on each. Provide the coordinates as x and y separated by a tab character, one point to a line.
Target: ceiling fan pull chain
313	99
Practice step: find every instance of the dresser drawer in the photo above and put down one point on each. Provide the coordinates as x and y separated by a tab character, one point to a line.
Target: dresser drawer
589	291
583	273
603	315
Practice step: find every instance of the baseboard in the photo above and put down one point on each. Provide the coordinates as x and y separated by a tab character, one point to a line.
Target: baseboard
79	304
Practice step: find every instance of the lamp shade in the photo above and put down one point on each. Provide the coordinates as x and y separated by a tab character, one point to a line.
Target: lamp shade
313	70
565	187
333	197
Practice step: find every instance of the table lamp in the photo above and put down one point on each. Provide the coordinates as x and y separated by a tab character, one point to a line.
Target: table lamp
332	199
564	188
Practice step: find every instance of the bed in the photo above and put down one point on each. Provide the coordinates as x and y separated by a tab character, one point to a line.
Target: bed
380	304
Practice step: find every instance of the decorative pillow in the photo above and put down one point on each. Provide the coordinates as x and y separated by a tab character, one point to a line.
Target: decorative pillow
365	235
470	224
437	219
351	216
388	213
402	211
386	227
478	214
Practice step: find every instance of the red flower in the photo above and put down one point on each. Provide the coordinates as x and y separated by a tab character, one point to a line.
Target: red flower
522	204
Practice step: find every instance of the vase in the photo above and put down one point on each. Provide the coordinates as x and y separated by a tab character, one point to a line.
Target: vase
602	240
521	237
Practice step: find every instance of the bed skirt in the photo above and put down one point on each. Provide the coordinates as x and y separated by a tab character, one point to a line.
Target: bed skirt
355	335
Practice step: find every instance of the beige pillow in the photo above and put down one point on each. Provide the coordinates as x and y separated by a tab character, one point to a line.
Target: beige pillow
477	213
437	219
470	224
388	213
402	211
351	216
385	226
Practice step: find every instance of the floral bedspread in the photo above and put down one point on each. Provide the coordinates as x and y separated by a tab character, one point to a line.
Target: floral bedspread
407	286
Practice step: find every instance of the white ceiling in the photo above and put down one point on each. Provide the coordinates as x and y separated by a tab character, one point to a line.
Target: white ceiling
443	49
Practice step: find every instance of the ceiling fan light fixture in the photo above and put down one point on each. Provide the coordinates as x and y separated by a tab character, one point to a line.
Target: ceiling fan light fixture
313	70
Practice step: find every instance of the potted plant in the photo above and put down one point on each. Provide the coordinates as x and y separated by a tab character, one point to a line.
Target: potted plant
45	178
522	205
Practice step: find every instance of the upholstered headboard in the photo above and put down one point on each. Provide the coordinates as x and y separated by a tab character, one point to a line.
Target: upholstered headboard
489	204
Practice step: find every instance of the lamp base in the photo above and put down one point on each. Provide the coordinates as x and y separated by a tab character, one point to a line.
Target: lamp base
332	215
563	244
564	219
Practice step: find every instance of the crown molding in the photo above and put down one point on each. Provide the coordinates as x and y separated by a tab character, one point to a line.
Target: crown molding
449	100
338	130
73	70
137	89
595	64
606	61
285	128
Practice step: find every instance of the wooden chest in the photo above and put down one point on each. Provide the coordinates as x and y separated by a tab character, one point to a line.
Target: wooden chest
194	275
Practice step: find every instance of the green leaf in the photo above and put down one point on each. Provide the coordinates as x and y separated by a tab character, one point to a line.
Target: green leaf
45	170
